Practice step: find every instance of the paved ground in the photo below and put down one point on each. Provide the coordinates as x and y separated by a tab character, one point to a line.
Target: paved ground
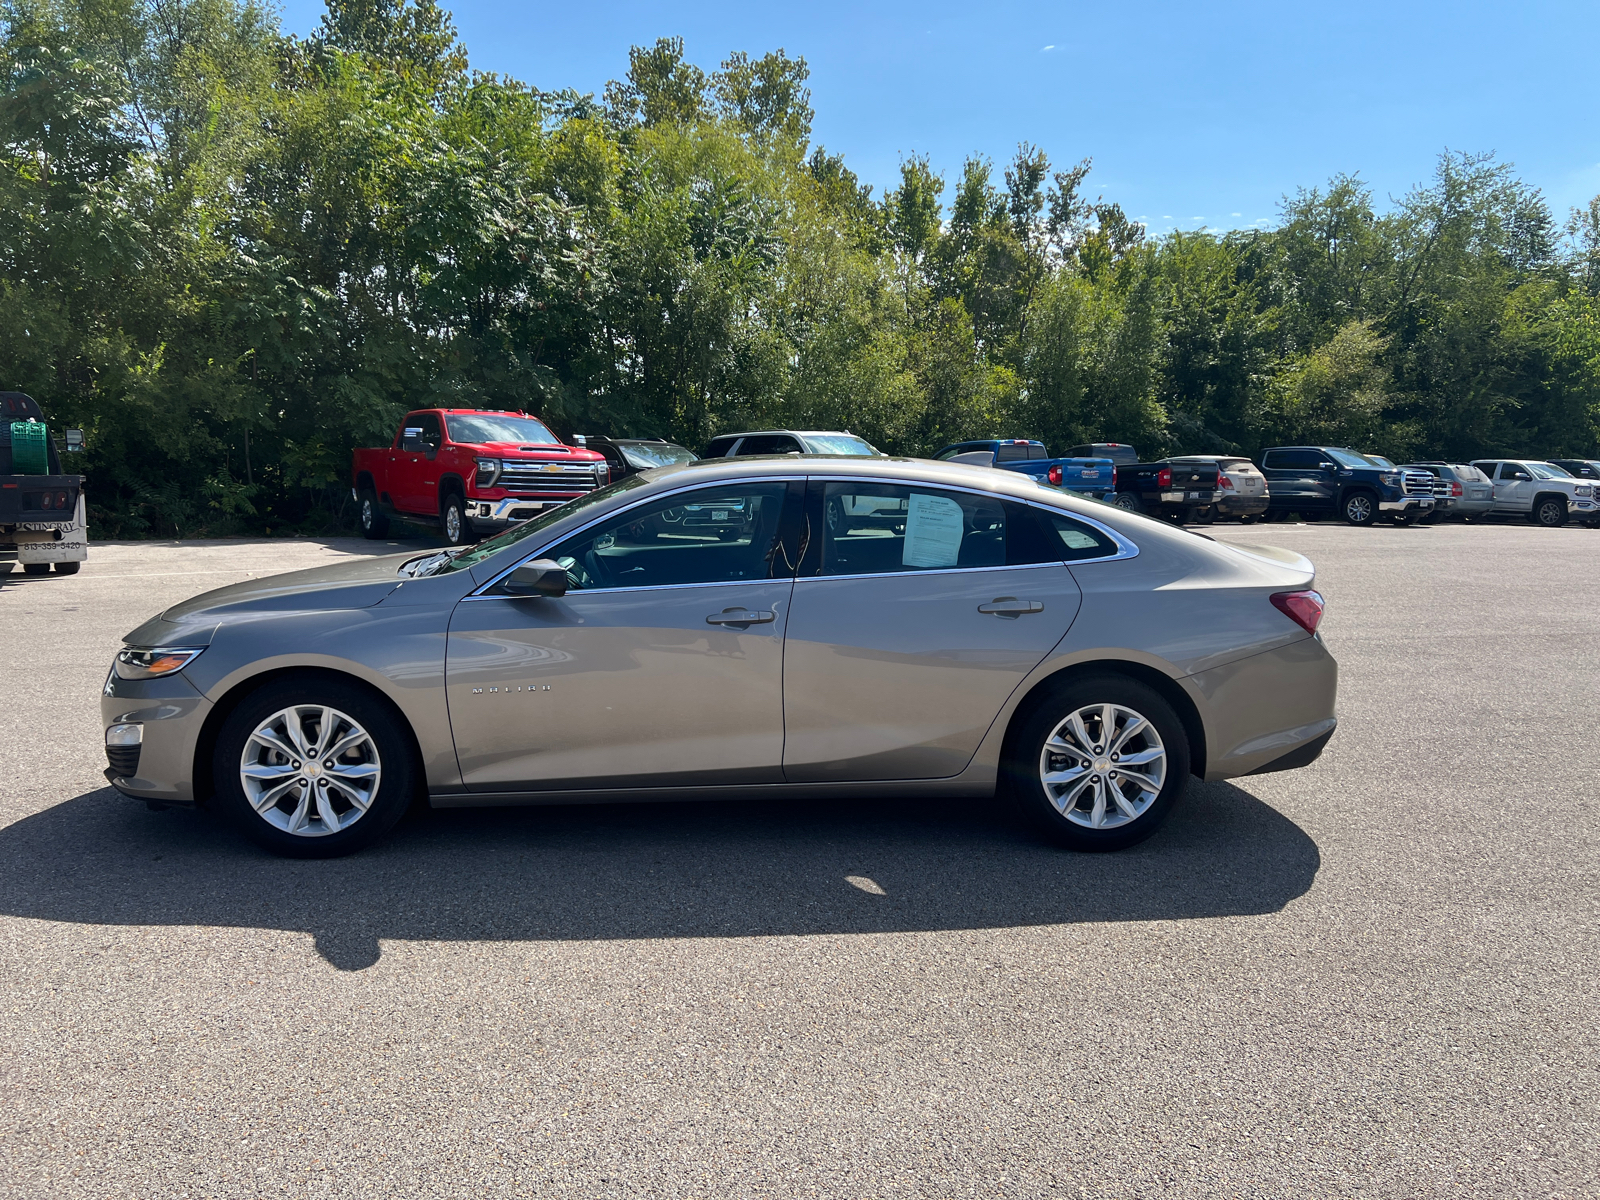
1373	977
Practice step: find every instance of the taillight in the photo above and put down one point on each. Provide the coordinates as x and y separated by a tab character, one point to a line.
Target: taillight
1113	479
1303	608
1225	483
1164	477
1055	474
1455	489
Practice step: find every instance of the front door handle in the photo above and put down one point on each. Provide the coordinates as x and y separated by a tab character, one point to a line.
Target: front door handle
1010	606
740	616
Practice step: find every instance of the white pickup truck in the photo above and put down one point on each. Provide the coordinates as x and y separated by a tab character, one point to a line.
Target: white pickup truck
1545	494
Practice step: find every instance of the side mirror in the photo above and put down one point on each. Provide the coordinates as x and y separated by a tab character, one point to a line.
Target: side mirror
1521	476
541	577
73	439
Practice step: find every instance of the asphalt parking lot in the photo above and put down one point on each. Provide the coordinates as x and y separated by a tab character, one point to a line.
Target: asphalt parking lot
1373	977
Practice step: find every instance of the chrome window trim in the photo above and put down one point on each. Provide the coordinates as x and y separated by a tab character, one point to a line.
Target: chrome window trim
478	592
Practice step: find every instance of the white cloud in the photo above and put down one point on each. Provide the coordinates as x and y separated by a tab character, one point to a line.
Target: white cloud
1238	214
1049	47
1166	217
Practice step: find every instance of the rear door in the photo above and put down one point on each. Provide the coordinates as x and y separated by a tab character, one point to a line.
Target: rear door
1300	480
917	613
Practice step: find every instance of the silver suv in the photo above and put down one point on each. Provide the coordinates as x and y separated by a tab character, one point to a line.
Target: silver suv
1543	493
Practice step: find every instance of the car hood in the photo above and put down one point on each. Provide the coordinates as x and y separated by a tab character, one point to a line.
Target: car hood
358	583
552	449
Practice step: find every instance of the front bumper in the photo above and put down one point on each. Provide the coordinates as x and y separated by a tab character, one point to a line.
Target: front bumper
172	713
495	514
1407	504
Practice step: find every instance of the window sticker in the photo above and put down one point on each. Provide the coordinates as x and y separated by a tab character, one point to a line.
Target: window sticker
934	527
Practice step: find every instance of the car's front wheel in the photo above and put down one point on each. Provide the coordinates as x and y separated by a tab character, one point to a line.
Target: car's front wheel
1360	508
1551	512
312	768
1099	763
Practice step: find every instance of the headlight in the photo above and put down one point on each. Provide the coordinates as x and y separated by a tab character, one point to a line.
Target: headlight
150	664
1586	490
1390	478
488	471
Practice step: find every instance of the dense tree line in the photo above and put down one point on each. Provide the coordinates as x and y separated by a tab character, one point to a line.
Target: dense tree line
231	255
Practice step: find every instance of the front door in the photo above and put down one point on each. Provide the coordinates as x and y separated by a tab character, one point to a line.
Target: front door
917	613
662	665
1513	489
416	476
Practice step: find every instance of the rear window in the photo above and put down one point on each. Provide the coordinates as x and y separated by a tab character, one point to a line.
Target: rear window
1019	452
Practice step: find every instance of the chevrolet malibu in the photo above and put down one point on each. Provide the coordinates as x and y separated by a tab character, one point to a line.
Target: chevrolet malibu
783	627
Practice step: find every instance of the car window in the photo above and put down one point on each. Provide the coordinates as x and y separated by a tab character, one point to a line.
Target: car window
712	535
1548	471
1510	470
1235	464
1079	541
421	432
1469	474
1293	460
888	528
950	452
474	429
719	447
769	443
1018	452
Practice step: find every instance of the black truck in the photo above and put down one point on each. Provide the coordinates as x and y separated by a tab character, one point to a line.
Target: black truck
42	522
1176	489
1327	481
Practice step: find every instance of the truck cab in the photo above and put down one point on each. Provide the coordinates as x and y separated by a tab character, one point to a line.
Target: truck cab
43	521
1324	481
469	471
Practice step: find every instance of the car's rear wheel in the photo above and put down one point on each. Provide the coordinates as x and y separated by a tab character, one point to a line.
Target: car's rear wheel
1128	500
1359	508
1205	515
1550	511
374	524
67	568
36	568
453	520
312	768
1098	764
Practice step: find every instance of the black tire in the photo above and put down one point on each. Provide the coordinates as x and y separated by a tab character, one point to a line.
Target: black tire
1128	500
1359	507
453	521
374	523
393	751
5	568
1026	748
67	568
36	568
1205	515
1549	511
1249	518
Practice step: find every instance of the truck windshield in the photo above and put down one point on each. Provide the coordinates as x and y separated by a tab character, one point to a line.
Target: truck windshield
1547	471
1348	458
446	561
479	428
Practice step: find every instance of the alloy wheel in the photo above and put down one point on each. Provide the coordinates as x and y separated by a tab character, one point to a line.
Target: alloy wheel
1552	513
452	524
310	770
1358	509
1103	766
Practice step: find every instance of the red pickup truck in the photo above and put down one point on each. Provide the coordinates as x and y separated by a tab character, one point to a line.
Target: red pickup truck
469	471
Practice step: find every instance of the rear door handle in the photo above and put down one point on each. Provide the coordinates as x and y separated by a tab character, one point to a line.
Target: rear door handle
740	616
1010	606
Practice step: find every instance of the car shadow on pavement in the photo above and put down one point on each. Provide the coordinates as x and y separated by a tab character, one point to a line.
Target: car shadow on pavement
726	869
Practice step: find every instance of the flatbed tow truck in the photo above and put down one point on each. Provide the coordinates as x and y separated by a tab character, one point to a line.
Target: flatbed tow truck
43	523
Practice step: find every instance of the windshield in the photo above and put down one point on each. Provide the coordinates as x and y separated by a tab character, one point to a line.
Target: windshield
837	443
1379	460
447	561
1349	458
1547	471
655	454
479	428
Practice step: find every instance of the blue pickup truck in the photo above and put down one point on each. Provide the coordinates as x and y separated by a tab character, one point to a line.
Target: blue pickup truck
1095	477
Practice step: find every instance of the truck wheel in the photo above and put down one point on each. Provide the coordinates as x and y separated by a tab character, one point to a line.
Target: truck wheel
1204	516
1360	508
36	568
453	520
312	768
1128	500
67	568
1099	764
374	524
1550	511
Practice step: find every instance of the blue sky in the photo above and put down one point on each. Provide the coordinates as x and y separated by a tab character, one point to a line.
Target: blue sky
1194	115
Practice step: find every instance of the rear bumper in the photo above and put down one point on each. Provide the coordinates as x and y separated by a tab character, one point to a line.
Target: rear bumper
1269	712
1241	506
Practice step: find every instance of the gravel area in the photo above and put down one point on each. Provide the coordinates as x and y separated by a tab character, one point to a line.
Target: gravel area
1376	976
